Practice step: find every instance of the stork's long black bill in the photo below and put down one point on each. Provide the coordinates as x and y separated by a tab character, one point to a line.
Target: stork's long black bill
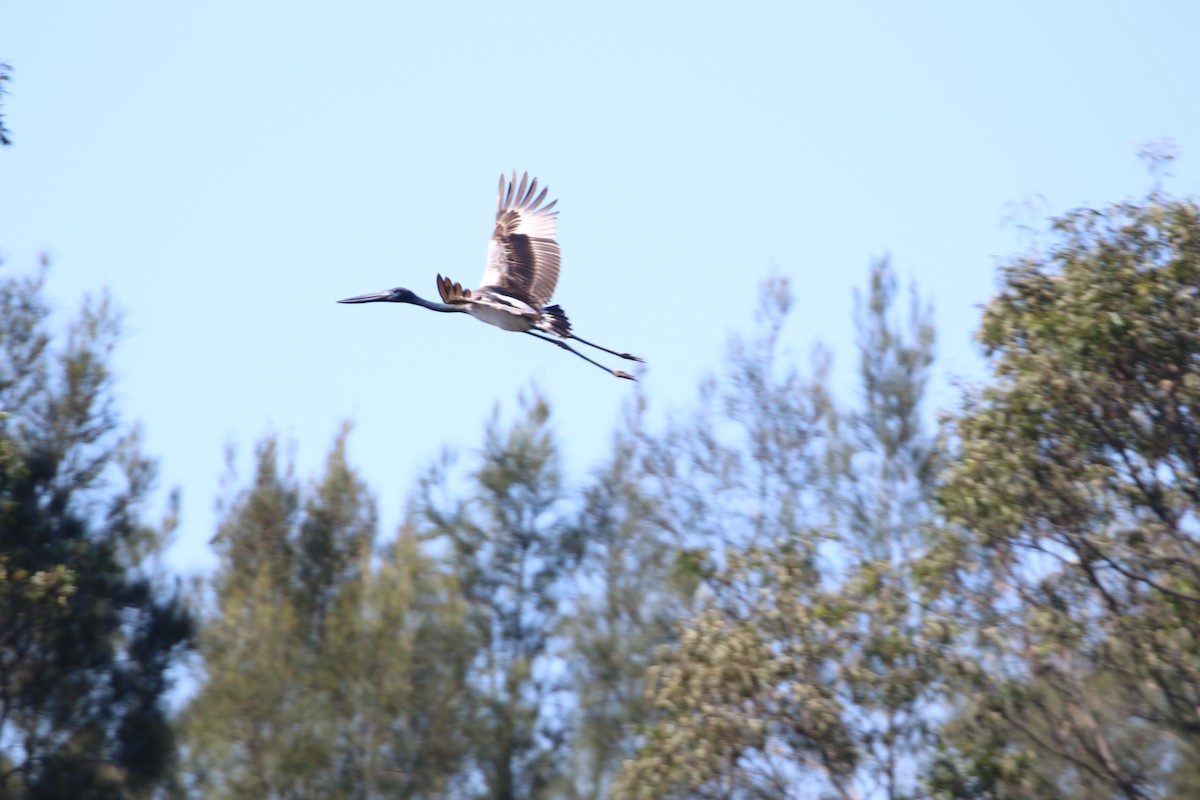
570	349
370	297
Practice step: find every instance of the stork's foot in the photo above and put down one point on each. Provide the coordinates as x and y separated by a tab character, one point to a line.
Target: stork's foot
624	375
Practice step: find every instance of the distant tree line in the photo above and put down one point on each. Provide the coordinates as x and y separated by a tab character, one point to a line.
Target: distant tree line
791	589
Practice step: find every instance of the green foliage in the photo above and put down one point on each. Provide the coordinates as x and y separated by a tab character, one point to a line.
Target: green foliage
326	674
1074	487
86	635
805	667
507	546
436	669
630	585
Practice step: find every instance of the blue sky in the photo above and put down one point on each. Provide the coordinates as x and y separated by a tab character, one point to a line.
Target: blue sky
229	169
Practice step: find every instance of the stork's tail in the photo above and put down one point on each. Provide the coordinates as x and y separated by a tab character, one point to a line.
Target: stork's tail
554	320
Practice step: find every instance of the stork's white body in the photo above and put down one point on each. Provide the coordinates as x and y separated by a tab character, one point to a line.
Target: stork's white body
504	312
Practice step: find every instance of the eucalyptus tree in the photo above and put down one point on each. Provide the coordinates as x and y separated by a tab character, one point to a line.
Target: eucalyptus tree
1073	489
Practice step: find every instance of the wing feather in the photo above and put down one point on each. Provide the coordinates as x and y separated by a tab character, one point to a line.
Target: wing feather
523	255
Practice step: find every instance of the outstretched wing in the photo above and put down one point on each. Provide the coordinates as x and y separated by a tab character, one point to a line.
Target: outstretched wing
523	255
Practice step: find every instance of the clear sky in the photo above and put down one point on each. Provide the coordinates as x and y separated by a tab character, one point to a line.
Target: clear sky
229	169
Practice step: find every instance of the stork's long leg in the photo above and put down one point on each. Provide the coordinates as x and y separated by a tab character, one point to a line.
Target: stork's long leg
605	349
569	349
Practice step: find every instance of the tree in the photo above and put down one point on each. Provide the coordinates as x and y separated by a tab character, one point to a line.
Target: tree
401	702
87	634
883	471
326	673
1073	557
802	670
253	711
506	546
629	587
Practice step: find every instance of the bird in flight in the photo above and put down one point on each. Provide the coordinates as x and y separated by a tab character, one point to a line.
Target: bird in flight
519	279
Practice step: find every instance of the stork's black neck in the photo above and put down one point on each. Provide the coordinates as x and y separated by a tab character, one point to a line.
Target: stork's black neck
432	306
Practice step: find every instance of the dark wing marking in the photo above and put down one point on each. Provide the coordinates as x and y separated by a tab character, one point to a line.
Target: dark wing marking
523	256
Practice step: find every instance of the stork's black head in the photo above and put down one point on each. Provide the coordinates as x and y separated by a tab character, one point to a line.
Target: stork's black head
397	295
